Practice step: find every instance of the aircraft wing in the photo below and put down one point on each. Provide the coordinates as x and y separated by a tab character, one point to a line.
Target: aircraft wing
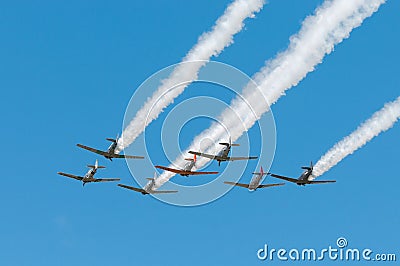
130	156
241	158
93	150
141	190
163	191
237	184
202	173
182	172
209	156
71	176
170	169
270	185
106	179
321	182
111	155
293	180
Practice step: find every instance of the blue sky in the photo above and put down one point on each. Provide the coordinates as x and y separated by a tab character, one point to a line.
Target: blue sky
68	70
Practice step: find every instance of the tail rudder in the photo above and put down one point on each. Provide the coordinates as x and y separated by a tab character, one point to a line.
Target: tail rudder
261	172
95	166
113	140
309	168
192	159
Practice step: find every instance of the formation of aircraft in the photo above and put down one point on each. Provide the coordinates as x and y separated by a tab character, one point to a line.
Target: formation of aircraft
148	188
304	178
110	153
255	182
89	176
222	156
187	169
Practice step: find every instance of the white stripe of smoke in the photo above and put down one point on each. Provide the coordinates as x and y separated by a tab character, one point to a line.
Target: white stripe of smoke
331	23
380	121
209	44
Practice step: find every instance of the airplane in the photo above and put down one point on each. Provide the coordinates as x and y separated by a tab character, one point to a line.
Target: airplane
110	153
255	182
148	188
187	169
89	176
222	156
304	178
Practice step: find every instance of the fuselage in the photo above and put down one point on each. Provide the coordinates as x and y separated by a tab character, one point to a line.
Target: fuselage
304	177
255	181
224	153
111	150
149	187
188	167
89	176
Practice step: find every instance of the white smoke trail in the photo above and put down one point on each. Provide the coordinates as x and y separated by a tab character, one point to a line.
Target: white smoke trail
331	23
209	44
380	121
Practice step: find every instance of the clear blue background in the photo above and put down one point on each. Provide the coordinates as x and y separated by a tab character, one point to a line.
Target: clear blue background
67	72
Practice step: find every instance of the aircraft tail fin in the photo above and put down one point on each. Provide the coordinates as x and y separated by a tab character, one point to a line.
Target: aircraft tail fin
229	144
152	178
310	168
261	172
96	165
192	159
113	140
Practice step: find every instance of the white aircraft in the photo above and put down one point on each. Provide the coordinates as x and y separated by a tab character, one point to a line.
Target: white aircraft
148	188
255	182
222	156
89	176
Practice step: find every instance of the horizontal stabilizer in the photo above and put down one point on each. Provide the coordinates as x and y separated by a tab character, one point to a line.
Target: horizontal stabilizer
112	140
229	144
255	173
93	166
